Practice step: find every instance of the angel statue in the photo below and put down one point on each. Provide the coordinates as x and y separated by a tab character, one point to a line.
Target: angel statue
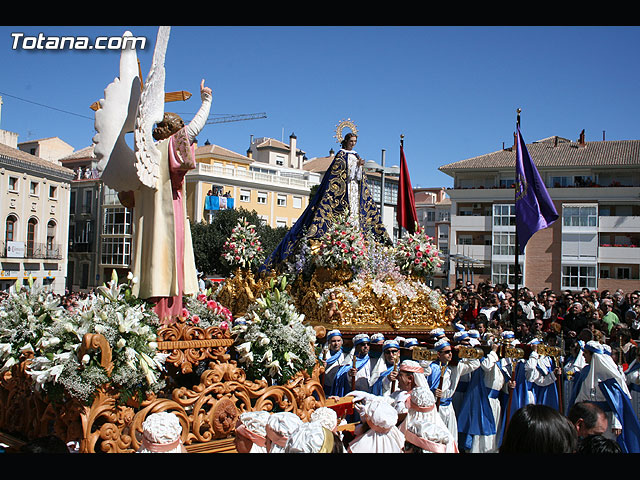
149	178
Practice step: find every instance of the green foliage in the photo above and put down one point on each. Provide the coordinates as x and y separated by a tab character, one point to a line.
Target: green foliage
208	239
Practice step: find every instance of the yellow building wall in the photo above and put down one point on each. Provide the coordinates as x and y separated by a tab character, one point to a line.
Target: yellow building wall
270	210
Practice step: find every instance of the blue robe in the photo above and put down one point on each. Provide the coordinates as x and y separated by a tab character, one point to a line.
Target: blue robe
342	381
331	199
547	395
519	395
475	416
618	402
376	388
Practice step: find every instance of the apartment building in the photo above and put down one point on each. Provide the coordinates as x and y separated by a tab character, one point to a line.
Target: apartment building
268	179
100	227
34	210
595	186
433	207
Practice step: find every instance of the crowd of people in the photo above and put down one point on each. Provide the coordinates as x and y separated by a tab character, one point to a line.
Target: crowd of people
552	372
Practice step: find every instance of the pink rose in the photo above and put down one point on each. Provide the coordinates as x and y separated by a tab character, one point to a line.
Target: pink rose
195	319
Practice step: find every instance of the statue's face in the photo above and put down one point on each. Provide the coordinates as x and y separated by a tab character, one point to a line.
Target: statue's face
351	142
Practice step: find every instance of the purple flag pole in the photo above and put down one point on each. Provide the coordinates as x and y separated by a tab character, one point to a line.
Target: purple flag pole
534	208
516	267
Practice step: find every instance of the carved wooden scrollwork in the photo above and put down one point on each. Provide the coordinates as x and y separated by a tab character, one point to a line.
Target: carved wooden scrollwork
207	411
189	344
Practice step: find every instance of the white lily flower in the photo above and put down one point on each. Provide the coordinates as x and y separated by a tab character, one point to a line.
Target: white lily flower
62	357
130	354
85	359
146	365
274	368
11	361
291	357
243	348
50	342
5	349
267	357
246	358
56	371
160	359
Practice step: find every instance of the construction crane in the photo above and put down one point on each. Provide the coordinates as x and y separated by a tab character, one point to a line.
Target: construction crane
236	118
183	96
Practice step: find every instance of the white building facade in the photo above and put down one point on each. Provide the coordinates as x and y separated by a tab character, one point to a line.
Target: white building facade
595	243
34	215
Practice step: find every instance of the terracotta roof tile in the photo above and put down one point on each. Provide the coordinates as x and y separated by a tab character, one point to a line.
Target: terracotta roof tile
14	153
546	154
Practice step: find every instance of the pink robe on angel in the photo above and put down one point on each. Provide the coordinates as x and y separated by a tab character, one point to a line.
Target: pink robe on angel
181	156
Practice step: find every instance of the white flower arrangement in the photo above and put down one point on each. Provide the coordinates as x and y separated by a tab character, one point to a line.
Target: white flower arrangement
33	319
243	248
417	255
274	343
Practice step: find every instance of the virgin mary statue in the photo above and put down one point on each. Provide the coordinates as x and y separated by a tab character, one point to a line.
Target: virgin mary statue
342	192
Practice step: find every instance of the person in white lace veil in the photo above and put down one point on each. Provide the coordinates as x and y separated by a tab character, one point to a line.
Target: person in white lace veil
325	416
251	432
421	407
410	375
382	435
279	427
313	437
422	436
162	433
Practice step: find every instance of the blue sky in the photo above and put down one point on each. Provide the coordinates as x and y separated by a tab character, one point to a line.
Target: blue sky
451	91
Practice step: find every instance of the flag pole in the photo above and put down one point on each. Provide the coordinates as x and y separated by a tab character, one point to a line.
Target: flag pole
401	148
517	251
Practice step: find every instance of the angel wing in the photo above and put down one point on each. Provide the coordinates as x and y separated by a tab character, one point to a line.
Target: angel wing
150	112
113	120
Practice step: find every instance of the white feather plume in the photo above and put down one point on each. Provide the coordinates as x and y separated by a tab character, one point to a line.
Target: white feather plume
113	120
150	112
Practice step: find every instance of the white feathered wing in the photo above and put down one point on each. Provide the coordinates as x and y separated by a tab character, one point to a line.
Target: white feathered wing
126	109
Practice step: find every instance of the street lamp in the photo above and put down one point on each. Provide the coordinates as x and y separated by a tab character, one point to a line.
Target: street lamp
372	166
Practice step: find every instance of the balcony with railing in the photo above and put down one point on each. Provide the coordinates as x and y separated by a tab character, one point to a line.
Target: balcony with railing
31	250
204	169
